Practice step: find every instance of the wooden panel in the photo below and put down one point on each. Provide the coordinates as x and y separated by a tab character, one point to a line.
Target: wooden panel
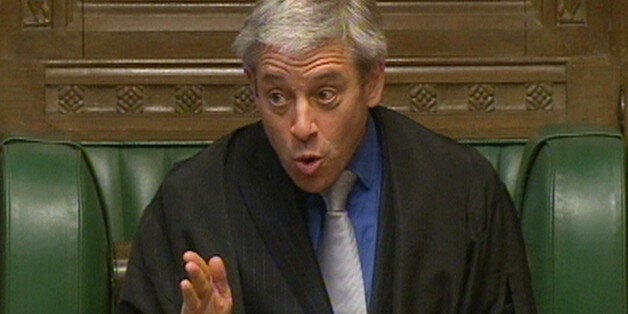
206	30
156	69
46	29
21	100
620	36
569	27
456	28
509	98
164	30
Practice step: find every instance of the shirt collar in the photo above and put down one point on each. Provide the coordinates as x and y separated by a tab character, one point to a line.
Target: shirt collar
367	159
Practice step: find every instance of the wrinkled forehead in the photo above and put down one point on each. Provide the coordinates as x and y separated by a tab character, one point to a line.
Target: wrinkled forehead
332	51
329	63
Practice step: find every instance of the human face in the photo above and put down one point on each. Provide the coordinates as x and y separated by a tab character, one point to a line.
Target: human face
314	110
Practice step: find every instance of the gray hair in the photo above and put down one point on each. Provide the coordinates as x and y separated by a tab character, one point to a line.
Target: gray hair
297	26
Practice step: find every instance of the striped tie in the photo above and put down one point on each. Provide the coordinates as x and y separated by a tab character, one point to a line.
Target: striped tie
338	253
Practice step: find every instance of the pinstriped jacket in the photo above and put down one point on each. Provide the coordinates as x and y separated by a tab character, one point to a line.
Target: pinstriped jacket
449	240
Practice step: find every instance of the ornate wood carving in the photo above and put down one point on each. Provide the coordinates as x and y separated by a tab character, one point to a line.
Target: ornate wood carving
165	99
243	100
80	94
571	12
36	13
188	98
426	99
539	96
465	68
423	98
71	98
481	97
130	99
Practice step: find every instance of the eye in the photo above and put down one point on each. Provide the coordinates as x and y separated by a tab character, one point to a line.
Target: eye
327	96
276	99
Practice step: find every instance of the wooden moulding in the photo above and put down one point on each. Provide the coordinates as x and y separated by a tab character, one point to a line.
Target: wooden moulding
170	99
205	29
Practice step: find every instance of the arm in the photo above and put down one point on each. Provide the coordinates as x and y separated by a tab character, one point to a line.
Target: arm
150	287
499	277
506	262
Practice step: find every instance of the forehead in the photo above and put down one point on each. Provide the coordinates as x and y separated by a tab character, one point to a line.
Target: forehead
322	59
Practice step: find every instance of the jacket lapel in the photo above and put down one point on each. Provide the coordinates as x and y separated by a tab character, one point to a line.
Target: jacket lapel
277	208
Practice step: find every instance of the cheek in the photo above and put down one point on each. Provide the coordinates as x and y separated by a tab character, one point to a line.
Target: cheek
345	132
278	132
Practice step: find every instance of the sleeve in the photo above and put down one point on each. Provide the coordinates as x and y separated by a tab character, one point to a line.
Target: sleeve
151	284
506	267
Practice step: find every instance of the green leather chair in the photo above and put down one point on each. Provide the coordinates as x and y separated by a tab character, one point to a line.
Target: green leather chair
68	209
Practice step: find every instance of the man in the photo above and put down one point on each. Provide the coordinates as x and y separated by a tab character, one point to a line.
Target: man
242	226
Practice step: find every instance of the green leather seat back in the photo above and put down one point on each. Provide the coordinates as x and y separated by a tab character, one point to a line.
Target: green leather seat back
55	256
65	205
60	198
129	174
572	199
505	156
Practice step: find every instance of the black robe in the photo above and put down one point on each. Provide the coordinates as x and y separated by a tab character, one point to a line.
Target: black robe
449	237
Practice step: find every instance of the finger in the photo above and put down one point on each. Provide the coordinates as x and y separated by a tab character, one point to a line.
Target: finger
222	296
191	302
200	280
199	275
191	256
219	276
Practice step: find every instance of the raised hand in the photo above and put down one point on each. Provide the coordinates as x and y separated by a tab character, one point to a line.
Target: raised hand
207	290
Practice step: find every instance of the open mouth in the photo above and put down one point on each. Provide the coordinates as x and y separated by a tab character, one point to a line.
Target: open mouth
308	165
308	160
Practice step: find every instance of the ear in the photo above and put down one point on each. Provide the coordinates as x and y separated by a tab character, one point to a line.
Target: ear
375	85
250	75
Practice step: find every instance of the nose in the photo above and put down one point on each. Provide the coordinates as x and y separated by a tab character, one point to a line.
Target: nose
304	124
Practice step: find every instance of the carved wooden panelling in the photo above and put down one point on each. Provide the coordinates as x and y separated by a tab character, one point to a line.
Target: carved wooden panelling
73	100
571	12
188	98
419	98
213	93
163	69
426	99
177	29
130	99
481	97
432	88
423	98
75	89
36	13
243	100
539	96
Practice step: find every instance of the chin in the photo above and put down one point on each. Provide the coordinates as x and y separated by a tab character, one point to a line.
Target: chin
310	188
310	185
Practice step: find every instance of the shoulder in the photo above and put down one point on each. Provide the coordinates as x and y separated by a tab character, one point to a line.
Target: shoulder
401	134
207	166
457	178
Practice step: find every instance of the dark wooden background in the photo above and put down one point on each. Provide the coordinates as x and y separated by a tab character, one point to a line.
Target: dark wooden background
162	70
